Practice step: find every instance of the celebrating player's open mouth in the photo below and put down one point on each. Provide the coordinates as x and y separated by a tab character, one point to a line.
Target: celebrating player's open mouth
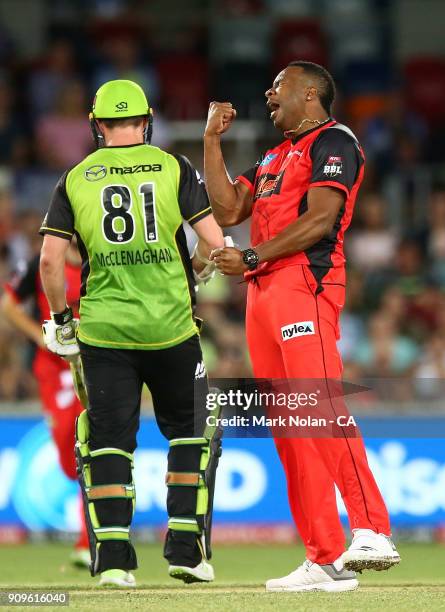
273	108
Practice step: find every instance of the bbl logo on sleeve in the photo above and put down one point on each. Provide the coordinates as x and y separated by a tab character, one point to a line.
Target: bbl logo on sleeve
333	166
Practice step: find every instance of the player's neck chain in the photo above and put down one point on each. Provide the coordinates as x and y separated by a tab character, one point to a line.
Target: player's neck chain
289	133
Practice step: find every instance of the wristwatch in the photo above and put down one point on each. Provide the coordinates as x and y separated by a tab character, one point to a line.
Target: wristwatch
251	259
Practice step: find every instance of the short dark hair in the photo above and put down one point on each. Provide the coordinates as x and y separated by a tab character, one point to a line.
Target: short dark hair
129	121
325	82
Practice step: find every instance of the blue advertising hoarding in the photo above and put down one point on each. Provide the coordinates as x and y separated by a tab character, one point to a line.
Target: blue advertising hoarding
36	495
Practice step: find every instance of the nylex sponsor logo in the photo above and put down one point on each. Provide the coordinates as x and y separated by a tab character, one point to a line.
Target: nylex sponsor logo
294	330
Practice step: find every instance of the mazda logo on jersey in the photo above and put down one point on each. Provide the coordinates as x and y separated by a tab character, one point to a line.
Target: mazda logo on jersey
333	166
268	184
95	173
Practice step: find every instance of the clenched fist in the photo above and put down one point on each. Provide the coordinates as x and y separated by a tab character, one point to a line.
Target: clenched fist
219	119
229	261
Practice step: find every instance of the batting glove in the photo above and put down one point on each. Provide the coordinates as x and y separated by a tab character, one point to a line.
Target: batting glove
206	273
209	271
59	334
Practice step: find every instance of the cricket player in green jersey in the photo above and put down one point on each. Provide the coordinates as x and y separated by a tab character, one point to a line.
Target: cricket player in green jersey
126	203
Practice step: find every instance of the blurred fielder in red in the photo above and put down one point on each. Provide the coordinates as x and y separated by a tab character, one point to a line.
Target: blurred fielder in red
300	196
59	401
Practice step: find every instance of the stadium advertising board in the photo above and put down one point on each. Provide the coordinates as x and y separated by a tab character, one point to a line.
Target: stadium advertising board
250	485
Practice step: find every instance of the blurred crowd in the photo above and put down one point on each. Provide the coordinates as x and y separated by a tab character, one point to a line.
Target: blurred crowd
393	325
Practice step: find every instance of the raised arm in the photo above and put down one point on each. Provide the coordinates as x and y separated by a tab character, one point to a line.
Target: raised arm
231	200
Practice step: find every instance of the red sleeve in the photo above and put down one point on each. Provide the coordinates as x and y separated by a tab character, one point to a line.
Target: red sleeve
243	179
23	284
336	160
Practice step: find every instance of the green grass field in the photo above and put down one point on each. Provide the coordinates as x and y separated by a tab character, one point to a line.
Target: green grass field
417	584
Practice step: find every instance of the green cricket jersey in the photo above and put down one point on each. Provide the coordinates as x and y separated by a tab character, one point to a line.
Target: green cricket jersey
126	206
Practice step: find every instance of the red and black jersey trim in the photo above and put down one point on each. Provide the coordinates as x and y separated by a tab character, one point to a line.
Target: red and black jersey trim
24	286
319	254
246	182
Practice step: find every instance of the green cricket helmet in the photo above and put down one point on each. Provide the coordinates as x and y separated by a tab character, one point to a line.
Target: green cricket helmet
120	99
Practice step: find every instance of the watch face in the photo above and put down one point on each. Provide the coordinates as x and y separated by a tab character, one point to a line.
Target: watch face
250	258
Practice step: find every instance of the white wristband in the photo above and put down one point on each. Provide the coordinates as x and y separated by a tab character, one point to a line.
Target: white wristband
199	256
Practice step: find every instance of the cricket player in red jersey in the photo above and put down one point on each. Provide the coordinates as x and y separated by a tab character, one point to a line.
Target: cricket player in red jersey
300	196
55	381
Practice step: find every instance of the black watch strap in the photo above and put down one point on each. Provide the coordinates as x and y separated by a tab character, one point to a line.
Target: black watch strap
60	318
251	259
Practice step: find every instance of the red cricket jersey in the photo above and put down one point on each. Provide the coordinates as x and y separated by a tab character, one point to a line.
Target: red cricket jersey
27	285
329	156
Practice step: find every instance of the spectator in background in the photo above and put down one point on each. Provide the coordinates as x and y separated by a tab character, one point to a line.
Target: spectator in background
394	304
406	272
122	60
385	352
6	210
15	380
409	273
63	137
13	147
221	304
373	246
351	318
417	315
24	241
48	80
432	236
430	373
394	137
232	353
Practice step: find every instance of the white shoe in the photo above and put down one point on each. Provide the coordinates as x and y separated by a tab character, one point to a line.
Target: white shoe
370	550
201	573
117	577
331	578
80	557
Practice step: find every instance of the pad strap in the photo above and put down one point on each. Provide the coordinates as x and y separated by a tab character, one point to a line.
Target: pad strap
182	523
111	451
112	533
108	491
182	479
186	441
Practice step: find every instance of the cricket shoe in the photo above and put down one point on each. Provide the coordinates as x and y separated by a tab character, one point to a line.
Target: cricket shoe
117	578
370	550
80	557
331	578
201	573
